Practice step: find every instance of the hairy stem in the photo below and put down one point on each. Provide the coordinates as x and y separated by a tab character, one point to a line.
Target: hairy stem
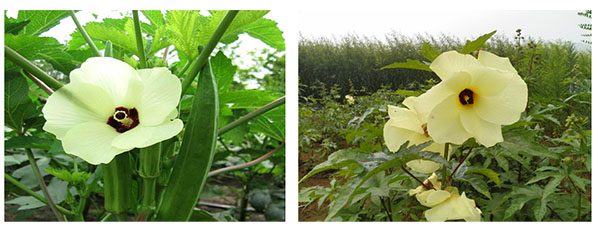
21	186
40	84
458	166
38	175
27	65
446	147
240	166
252	115
207	50
139	39
85	34
417	179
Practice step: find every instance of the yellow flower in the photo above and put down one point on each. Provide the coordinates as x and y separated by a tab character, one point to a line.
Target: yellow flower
454	208
475	97
349	99
433	196
110	108
405	125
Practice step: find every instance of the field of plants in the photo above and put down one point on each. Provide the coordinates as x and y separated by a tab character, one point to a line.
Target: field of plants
186	138
355	165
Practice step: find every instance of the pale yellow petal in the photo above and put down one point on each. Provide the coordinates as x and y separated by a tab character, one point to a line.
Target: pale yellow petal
394	137
144	136
505	107
489	81
404	118
449	63
486	133
117	78
161	95
423	166
455	208
91	142
491	60
444	124
432	197
74	104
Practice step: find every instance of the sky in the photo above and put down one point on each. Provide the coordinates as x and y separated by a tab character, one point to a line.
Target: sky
547	25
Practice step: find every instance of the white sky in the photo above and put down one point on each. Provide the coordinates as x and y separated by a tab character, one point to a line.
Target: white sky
547	25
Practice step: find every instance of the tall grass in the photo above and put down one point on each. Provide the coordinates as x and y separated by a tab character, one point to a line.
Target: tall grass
353	62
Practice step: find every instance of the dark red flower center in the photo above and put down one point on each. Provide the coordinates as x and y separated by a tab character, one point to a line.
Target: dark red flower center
466	97
123	119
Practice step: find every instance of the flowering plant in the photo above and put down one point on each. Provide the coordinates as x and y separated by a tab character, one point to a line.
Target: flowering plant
130	113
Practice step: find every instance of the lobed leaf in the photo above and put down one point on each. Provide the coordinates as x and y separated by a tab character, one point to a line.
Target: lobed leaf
409	64
471	46
40	20
488	173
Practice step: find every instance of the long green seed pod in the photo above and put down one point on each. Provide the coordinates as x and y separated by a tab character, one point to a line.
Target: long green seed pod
195	156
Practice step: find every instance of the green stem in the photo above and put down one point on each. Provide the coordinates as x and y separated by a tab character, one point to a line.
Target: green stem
85	34
40	84
38	175
22	62
184	69
446	146
458	166
139	40
149	171
426	186
240	166
21	186
106	217
108	49
207	50
252	115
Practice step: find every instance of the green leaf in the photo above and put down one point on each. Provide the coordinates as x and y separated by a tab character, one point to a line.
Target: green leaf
119	31
271	124
540	209
27	142
578	181
542	175
471	46
267	31
238	25
488	173
155	17
202	215
478	184
26	202
342	197
13	26
409	64
407	92
223	70
502	162
551	186
40	20
195	156
330	164
17	105
247	99
183	26
45	48
65	175
428	52
516	205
